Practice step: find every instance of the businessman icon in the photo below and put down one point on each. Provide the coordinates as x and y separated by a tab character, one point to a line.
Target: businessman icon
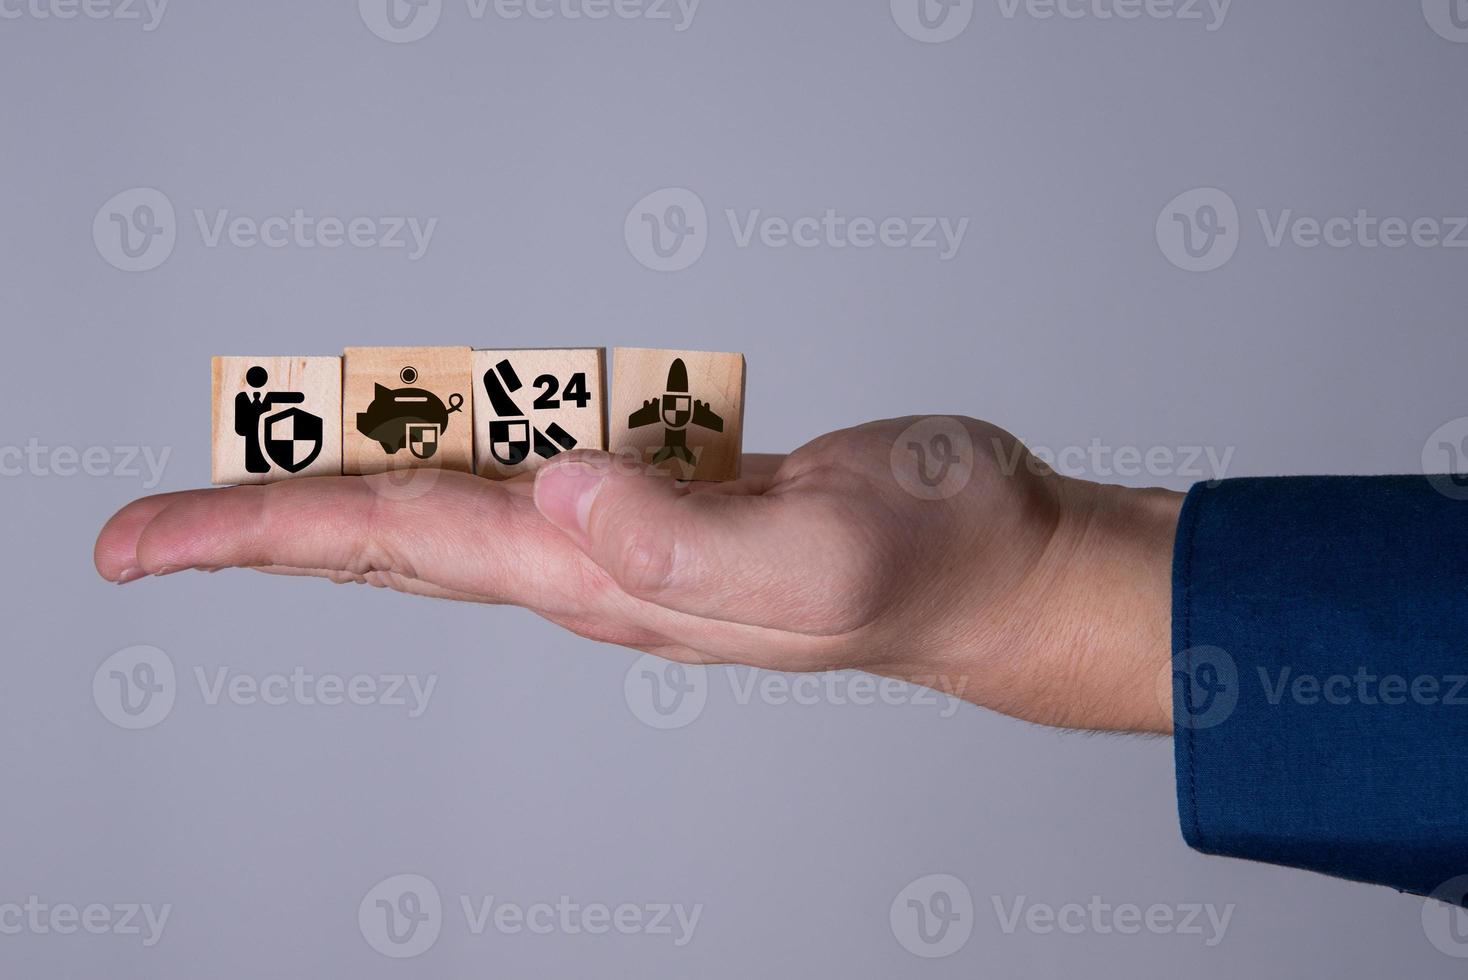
291	439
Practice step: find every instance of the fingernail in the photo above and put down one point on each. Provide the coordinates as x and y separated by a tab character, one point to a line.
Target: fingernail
129	575
564	495
165	570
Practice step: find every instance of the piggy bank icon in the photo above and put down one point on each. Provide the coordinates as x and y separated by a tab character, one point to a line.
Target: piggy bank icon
407	417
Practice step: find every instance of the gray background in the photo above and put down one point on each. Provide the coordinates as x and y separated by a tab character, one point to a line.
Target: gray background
529	777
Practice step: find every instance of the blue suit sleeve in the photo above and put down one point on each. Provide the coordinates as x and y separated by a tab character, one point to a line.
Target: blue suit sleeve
1320	675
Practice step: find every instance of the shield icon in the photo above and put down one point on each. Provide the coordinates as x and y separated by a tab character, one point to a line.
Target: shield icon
293	439
677	410
509	440
423	439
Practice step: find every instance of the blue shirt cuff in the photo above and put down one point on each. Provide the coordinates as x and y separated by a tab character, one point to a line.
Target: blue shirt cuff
1320	675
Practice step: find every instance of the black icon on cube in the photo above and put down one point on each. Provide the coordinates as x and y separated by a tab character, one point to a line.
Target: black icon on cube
676	410
290	439
511	436
411	418
293	439
509	440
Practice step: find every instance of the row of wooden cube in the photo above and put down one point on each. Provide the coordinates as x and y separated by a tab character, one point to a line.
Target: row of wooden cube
497	413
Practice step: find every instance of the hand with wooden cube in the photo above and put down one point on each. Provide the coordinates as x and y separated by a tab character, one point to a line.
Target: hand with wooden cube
911	547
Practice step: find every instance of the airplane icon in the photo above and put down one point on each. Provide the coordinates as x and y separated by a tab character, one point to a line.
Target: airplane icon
676	410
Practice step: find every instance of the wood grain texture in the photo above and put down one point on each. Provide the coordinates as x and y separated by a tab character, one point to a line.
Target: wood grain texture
558	402
696	433
399	411
276	417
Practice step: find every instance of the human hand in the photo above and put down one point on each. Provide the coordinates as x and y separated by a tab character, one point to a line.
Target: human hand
1038	595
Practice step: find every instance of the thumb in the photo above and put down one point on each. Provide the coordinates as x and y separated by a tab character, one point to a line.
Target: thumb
770	560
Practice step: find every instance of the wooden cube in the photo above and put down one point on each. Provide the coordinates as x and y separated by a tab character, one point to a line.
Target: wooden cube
682	410
276	417
532	405
407	407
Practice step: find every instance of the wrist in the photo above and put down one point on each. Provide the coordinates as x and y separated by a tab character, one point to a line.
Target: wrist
1104	585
